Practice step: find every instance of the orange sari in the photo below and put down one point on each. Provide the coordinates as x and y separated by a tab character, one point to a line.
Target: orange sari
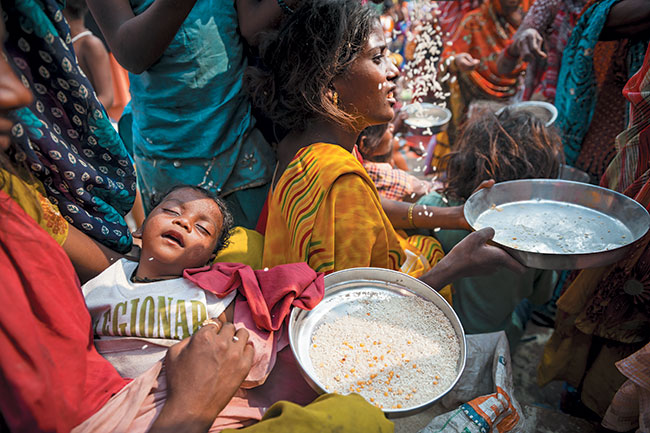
325	210
484	33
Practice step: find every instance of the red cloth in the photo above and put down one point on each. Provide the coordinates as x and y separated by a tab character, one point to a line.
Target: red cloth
269	294
52	378
262	306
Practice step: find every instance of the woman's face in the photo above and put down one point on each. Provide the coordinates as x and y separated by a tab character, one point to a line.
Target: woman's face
365	89
13	94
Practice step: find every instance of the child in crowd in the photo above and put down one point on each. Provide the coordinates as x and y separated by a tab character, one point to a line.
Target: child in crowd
185	230
91	52
513	145
376	146
139	310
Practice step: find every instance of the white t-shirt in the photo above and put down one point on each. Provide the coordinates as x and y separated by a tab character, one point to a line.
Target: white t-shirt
135	323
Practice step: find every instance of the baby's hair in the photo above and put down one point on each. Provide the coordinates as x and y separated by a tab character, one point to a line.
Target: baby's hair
373	135
76	8
315	45
513	145
227	224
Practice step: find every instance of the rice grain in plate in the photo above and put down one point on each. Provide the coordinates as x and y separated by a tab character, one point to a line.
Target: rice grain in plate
372	312
394	360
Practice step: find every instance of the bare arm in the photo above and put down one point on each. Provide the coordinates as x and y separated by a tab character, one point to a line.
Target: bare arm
424	217
88	256
428	217
526	46
97	61
472	256
627	19
528	34
137	42
257	16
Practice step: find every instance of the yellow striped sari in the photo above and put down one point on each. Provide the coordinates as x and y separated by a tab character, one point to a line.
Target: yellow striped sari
325	210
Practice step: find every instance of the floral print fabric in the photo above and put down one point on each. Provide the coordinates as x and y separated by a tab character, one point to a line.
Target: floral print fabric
65	136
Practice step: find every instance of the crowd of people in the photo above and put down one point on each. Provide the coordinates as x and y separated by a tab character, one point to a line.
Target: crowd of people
150	262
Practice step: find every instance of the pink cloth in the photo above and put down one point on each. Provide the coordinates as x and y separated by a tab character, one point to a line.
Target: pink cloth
270	293
262	306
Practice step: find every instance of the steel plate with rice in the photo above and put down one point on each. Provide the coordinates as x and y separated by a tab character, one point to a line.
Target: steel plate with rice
382	334
558	224
426	118
546	112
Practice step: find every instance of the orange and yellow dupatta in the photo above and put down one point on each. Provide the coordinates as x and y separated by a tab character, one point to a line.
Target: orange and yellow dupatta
326	211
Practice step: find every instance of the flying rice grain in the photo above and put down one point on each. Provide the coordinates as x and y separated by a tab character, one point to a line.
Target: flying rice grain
394	360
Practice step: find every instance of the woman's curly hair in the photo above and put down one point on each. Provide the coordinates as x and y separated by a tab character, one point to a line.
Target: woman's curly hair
513	145
315	45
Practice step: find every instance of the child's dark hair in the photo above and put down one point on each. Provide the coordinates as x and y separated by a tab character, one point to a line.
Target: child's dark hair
315	45
513	145
76	8
227	224
371	137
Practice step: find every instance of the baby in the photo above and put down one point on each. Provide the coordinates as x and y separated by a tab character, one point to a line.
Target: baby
376	146
143	308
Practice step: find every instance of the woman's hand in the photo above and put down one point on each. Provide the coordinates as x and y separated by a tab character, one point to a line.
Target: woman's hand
473	256
528	46
203	373
476	256
465	62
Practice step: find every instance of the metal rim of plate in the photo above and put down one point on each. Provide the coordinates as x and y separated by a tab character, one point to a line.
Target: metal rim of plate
341	284
542	104
444	118
616	205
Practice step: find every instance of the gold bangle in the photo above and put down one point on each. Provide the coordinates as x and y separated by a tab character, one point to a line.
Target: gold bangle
410	216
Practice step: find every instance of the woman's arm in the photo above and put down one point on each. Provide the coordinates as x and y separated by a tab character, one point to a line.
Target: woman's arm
258	16
88	256
527	41
137	42
627	19
428	217
97	61
526	46
424	217
472	256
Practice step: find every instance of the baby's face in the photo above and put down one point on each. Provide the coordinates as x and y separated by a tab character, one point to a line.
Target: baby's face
386	144
181	232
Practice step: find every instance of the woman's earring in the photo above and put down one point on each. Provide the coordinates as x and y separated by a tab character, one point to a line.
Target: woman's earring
335	97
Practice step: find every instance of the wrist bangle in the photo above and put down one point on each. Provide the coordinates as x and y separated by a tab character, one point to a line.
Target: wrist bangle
410	216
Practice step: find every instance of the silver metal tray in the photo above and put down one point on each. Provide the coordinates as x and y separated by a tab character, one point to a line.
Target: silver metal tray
544	110
435	117
343	292
559	224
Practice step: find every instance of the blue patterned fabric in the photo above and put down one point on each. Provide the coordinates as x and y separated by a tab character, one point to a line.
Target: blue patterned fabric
65	136
191	113
576	94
